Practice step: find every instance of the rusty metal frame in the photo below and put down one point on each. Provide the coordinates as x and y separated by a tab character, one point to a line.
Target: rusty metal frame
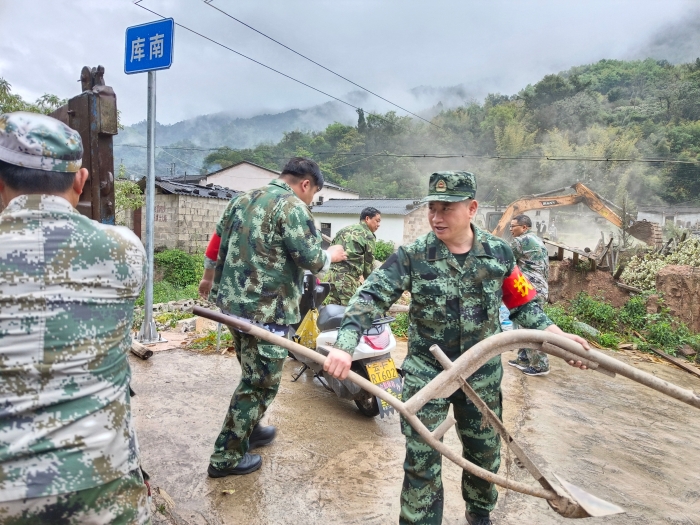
571	501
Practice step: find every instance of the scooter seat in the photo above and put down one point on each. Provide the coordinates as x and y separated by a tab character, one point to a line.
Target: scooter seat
330	316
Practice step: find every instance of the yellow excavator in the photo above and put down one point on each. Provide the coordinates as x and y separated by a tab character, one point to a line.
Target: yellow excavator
648	232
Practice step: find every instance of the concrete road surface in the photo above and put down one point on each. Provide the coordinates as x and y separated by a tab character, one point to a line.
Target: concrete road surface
331	465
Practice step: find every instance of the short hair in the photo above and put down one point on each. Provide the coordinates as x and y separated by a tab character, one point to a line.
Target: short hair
300	168
523	220
369	212
30	180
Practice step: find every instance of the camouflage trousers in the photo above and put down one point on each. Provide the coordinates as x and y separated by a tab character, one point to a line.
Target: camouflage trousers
422	492
343	287
535	358
123	501
261	372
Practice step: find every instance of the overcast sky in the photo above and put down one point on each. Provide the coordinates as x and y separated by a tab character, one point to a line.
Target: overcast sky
389	46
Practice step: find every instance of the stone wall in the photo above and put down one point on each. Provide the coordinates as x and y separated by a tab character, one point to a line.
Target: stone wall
680	288
184	221
415	224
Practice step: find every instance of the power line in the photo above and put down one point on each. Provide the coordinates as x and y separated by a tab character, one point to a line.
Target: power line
138	4
452	155
210	4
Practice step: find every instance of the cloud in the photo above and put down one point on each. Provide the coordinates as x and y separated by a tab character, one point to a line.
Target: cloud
390	47
676	42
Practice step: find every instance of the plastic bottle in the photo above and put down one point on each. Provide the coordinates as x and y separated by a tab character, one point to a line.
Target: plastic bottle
504	315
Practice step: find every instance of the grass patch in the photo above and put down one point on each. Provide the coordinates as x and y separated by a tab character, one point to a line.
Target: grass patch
207	342
400	326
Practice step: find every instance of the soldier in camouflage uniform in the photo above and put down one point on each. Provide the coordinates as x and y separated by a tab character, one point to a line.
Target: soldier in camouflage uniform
532	258
255	264
68	451
358	241
457	276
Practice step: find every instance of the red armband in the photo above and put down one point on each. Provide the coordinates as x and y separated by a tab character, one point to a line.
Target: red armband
213	247
517	290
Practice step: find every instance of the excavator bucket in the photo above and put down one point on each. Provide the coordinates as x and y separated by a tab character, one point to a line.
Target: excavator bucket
648	232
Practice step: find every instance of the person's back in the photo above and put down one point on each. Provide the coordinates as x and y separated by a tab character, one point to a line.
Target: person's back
265	232
67	291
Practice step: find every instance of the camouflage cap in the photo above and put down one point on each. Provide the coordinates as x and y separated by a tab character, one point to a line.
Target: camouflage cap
37	141
451	186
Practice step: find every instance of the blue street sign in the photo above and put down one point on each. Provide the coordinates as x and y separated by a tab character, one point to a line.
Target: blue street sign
149	46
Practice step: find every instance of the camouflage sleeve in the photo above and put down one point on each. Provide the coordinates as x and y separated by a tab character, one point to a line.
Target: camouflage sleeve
531	315
381	289
369	258
223	231
517	248
302	240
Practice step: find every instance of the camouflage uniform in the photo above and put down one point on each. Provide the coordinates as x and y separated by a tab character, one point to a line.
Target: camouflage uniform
359	242
268	238
454	306
532	258
68	451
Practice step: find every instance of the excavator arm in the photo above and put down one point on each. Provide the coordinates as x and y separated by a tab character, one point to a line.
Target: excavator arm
648	232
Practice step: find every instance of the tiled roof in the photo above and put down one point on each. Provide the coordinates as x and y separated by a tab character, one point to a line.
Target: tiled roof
210	191
355	206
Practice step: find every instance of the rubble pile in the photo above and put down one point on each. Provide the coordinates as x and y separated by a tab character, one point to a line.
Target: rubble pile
641	271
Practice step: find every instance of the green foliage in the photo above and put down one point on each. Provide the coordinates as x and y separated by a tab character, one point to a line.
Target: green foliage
383	249
170	319
164	292
641	270
127	196
208	340
629	323
10	102
400	326
180	268
596	312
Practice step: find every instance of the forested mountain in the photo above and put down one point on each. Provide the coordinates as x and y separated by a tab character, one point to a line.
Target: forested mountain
600	124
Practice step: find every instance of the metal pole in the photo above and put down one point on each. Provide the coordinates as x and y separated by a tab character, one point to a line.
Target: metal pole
148	332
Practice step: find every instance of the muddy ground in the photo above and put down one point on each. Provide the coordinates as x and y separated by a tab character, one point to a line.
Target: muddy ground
331	465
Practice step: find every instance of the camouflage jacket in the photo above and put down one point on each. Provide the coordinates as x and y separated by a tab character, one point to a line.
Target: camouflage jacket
67	292
358	241
452	306
268	239
532	258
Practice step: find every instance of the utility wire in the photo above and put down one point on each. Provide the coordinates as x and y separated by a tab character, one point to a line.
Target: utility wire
138	4
210	4
452	155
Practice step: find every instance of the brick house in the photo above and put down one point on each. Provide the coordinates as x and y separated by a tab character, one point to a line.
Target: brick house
185	214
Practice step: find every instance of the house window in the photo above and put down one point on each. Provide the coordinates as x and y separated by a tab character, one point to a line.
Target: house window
320	199
325	230
537	213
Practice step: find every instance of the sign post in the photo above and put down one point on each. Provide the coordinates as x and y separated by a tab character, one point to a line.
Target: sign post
149	47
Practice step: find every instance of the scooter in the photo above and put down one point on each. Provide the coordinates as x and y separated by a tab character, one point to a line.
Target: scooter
371	358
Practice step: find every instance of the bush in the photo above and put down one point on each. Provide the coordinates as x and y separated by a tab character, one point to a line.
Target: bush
595	312
383	249
179	268
400	326
164	292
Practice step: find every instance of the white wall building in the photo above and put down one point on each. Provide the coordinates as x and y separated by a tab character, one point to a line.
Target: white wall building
403	220
682	216
245	176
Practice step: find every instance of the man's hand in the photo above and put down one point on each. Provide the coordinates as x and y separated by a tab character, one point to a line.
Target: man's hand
337	253
338	363
580	340
206	283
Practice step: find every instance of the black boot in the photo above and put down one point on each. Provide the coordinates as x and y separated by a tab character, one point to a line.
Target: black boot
261	436
473	519
248	463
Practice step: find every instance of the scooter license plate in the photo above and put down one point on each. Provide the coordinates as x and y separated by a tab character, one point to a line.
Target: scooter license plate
382	371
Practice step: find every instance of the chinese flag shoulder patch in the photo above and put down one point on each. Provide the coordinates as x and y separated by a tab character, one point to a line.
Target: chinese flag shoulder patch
517	290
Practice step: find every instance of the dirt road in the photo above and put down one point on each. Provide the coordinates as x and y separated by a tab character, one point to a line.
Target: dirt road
331	465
